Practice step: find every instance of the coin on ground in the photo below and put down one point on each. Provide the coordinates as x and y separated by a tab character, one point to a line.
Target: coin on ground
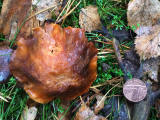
135	90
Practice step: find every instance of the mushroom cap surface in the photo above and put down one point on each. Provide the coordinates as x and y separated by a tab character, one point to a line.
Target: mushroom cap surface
54	63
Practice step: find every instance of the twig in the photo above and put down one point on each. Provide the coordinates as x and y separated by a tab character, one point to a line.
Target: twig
119	58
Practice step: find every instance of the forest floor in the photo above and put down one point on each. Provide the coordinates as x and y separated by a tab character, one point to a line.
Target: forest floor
113	17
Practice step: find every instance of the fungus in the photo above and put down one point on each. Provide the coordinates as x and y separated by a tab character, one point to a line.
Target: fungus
54	63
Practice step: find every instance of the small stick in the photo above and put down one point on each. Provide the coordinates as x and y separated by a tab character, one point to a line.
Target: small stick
119	58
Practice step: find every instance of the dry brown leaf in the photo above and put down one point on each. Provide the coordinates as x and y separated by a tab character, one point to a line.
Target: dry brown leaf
29	113
98	106
85	113
43	4
89	18
147	43
13	14
5	53
143	12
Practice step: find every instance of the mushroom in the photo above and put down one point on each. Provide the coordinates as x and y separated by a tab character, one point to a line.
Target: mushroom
54	63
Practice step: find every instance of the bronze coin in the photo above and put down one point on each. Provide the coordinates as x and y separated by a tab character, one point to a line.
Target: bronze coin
135	90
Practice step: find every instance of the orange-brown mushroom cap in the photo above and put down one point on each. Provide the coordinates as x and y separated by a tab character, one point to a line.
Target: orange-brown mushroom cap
55	63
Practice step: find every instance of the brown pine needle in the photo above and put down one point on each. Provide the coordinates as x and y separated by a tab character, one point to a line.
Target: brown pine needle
66	15
104	53
69	6
69	1
108	82
41	11
110	43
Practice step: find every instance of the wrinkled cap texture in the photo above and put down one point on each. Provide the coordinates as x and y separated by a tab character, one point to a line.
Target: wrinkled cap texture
55	62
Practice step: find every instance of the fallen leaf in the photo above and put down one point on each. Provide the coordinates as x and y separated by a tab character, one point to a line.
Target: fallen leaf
147	43
85	113
5	53
143	12
29	113
44	4
13	15
89	18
